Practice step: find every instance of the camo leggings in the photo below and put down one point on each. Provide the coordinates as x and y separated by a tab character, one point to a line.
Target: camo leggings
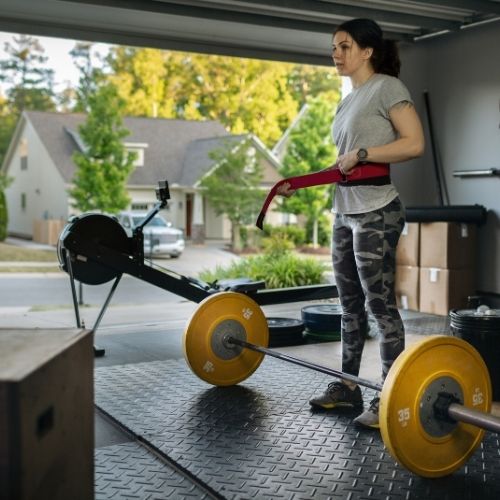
364	263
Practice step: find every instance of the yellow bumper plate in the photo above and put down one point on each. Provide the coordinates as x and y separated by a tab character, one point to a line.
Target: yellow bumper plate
217	317
406	423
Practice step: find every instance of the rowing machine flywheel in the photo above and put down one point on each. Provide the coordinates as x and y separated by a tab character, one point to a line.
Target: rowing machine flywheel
100	229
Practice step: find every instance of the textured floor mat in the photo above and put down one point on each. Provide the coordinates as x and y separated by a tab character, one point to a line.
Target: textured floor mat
260	439
129	470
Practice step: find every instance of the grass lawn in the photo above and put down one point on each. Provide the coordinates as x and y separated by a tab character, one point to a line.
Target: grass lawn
13	253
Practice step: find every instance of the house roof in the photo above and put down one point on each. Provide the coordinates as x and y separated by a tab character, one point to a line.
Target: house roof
169	142
197	161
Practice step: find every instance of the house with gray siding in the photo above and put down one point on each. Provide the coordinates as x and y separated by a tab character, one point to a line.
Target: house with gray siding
39	160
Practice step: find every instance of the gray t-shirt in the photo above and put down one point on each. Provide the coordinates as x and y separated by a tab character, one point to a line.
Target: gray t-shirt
362	121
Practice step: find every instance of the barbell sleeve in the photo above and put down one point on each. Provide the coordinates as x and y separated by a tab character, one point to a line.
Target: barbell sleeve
480	419
313	366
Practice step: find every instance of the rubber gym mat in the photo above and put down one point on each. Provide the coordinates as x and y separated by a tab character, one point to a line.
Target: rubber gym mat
130	470
260	439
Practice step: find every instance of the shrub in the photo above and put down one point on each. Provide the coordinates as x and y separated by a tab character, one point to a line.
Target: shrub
278	270
276	245
251	237
324	231
294	233
3	216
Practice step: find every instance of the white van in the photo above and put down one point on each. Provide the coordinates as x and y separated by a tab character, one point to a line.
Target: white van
160	238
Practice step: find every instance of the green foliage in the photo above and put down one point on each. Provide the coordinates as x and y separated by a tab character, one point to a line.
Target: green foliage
29	83
305	81
7	125
278	271
245	95
104	167
277	245
310	149
91	77
296	234
4	214
324	230
233	186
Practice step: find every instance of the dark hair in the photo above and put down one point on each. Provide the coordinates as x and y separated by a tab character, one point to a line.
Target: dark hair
367	33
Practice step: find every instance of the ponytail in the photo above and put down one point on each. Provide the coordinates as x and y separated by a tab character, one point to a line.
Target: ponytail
386	60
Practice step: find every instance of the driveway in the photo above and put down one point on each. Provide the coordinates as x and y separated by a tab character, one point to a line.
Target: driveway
53	289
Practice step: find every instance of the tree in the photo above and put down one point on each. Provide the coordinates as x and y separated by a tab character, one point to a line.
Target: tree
142	81
28	84
8	121
306	82
91	77
4	214
104	166
310	149
245	95
233	186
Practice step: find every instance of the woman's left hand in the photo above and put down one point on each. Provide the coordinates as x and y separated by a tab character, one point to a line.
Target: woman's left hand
347	161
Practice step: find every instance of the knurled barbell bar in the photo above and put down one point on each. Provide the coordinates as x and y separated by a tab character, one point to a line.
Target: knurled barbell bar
434	403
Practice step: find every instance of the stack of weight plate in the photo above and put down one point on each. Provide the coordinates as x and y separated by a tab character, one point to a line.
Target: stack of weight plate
322	322
285	331
481	328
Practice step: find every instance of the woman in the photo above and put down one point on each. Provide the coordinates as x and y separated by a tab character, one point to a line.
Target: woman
375	123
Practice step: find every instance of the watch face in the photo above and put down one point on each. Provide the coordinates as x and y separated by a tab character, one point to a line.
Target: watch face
362	154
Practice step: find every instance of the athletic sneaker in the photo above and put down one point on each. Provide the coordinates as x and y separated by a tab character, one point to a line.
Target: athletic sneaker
369	418
338	395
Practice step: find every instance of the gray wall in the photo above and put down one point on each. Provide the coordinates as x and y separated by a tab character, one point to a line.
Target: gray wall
461	72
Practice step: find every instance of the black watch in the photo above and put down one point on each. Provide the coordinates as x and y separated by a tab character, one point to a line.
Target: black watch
362	154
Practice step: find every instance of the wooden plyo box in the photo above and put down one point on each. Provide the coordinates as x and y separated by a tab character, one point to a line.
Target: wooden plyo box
46	414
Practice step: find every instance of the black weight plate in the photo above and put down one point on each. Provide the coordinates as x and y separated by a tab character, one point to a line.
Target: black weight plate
285	331
322	318
98	229
285	326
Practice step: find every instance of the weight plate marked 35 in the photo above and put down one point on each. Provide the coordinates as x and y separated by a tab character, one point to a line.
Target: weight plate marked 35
219	315
411	375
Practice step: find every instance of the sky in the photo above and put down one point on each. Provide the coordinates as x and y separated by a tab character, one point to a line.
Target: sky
57	50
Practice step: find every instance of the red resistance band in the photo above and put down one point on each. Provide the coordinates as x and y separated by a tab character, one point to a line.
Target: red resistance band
367	171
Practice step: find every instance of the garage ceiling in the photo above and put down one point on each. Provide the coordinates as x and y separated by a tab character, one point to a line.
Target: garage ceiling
286	30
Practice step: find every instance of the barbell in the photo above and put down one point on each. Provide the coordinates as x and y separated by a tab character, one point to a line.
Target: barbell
434	404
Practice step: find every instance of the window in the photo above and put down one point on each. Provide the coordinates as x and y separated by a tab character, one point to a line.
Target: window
23	153
23	202
138	149
139	207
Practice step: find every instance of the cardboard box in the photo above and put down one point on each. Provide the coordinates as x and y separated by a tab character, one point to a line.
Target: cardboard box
448	245
46	414
407	287
408	249
445	289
